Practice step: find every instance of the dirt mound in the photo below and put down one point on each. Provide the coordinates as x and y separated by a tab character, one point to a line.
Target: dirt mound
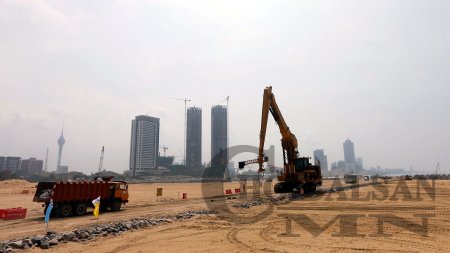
15	183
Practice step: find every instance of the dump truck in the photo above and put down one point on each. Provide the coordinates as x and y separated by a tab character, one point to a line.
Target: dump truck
75	197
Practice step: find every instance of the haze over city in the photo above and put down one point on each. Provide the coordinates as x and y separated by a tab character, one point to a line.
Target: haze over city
339	70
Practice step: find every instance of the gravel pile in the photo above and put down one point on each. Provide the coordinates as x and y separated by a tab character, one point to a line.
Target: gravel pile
284	198
248	204
347	187
84	234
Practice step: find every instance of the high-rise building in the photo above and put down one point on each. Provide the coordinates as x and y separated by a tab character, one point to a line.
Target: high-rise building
194	138
144	145
219	136
11	163
359	163
32	166
319	156
349	153
333	167
342	165
2	162
61	142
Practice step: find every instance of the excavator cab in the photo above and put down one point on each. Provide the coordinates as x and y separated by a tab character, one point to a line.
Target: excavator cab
301	164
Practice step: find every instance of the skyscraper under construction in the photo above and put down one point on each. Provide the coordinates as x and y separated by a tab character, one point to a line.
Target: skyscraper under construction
194	138
219	136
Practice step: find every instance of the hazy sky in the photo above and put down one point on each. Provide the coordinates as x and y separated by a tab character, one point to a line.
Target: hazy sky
376	72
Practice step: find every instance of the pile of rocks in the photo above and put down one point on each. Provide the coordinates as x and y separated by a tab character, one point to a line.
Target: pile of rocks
347	187
285	198
88	233
248	204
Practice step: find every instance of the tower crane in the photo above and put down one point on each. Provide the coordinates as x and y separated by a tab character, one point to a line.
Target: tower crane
228	120
100	165
437	169
226	99
164	148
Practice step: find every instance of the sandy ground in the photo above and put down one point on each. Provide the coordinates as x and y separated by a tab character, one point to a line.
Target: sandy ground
315	231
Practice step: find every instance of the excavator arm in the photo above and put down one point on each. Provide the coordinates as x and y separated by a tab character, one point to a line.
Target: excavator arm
289	141
298	172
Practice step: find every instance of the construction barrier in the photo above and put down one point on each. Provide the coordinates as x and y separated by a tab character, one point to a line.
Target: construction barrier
27	191
13	213
184	196
228	192
237	190
159	192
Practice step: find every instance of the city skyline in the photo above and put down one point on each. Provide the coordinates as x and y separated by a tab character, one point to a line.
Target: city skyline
61	142
357	74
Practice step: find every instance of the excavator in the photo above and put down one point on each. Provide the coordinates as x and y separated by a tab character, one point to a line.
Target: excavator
298	173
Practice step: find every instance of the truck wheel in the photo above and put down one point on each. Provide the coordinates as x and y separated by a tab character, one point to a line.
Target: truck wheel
314	187
80	209
282	187
104	207
65	210
115	206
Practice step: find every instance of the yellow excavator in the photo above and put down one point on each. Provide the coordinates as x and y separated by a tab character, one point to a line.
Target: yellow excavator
298	173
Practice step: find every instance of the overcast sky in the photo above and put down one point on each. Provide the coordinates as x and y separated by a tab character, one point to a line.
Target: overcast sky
376	72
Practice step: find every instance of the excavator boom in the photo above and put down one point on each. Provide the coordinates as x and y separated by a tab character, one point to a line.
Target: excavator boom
298	171
289	141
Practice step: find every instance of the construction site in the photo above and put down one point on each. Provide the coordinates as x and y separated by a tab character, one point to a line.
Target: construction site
170	223
224	126
299	209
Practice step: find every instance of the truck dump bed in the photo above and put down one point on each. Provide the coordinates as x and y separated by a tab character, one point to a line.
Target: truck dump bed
71	191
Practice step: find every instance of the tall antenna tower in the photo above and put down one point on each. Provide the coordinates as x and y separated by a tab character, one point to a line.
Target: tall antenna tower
46	161
185	124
